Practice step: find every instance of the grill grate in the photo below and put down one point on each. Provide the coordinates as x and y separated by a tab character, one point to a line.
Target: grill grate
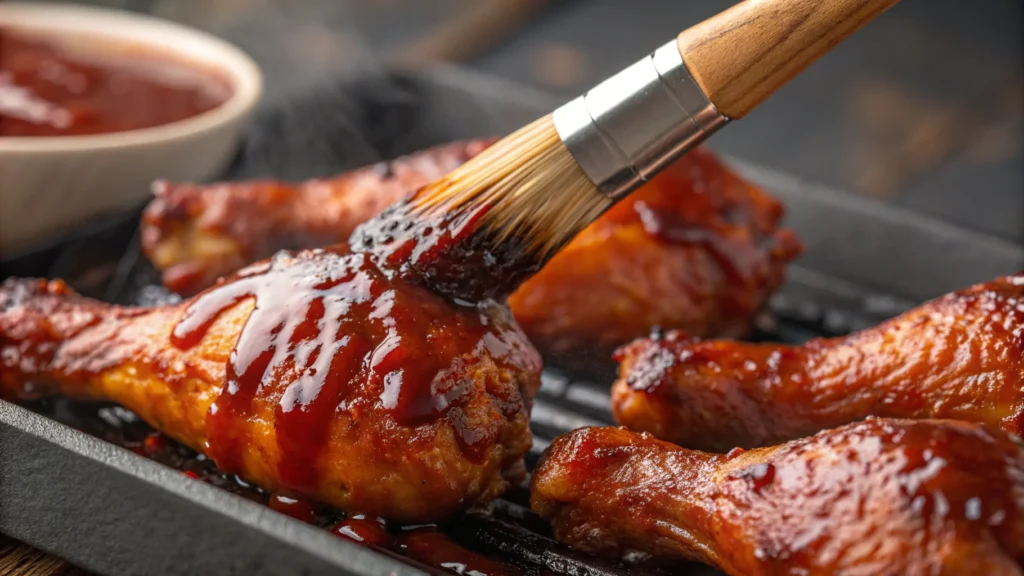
508	532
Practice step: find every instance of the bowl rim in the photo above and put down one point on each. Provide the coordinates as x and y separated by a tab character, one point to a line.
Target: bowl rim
236	66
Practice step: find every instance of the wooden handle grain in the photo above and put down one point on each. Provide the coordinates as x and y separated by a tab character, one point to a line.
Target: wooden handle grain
743	55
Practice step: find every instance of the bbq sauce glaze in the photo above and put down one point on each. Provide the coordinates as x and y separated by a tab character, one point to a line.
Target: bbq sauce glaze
453	254
332	333
701	203
49	90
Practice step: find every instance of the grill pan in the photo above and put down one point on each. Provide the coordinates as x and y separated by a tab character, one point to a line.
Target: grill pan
73	477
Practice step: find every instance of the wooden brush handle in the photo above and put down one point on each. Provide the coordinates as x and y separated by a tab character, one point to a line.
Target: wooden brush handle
743	55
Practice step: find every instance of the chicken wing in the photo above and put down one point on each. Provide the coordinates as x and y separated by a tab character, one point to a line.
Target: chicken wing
879	497
697	249
312	374
198	233
960	356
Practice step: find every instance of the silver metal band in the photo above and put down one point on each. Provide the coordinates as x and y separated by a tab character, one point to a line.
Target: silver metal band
632	125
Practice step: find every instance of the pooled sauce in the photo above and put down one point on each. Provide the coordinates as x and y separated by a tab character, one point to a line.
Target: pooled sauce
298	509
368	531
448	253
123	428
425	544
332	333
433	548
46	90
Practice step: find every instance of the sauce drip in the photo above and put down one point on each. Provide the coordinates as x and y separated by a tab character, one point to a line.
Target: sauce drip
331	333
298	509
368	531
46	90
424	544
434	548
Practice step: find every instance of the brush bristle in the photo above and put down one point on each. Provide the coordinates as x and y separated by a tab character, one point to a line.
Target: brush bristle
528	186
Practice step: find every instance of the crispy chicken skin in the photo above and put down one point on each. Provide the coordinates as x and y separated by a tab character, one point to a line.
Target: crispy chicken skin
314	375
697	249
198	233
879	497
960	356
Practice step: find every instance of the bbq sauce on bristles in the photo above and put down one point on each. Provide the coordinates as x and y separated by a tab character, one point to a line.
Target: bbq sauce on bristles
489	225
485	228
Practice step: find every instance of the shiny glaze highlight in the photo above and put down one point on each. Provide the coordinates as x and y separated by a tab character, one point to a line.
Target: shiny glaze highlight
196	233
880	497
960	356
323	321
698	249
314	376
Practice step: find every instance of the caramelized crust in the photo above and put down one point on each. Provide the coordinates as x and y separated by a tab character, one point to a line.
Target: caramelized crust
313	375
960	356
697	249
879	497
198	233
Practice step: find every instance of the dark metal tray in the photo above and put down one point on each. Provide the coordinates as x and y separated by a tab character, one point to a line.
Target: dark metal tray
110	510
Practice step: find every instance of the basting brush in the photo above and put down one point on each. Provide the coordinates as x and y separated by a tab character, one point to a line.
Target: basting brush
517	203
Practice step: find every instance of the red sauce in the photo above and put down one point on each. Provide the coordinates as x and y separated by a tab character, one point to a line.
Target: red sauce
47	90
338	334
298	509
451	253
369	531
434	548
740	259
424	544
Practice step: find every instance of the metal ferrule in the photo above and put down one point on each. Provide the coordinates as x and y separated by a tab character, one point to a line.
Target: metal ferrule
635	123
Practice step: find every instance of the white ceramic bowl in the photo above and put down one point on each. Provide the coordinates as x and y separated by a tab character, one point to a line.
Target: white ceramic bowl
50	184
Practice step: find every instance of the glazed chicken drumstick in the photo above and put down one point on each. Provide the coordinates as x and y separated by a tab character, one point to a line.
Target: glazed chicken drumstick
960	356
313	374
697	248
195	233
879	497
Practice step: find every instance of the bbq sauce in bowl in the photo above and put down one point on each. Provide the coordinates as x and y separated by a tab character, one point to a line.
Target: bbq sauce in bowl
47	89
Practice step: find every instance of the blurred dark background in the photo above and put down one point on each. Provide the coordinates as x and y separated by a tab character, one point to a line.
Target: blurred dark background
924	108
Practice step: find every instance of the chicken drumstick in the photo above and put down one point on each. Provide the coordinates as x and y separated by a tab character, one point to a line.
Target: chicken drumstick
197	233
960	356
879	497
315	375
